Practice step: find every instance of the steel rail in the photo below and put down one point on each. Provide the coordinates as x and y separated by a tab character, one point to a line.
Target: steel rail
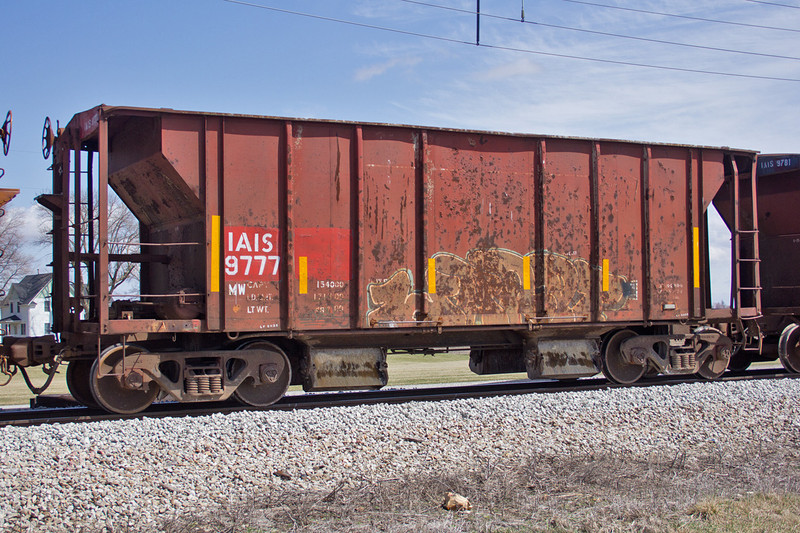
78	414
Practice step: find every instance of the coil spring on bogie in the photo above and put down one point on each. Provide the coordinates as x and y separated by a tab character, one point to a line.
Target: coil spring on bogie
683	361
203	384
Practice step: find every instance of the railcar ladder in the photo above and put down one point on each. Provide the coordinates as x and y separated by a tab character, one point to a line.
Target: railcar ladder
746	260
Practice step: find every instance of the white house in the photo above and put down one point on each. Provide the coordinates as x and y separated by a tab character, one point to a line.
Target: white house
27	309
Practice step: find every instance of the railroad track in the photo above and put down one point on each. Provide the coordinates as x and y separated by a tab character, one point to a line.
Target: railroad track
76	414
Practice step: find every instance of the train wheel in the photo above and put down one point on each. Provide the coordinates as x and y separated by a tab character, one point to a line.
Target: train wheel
79	374
719	358
712	368
789	348
277	375
615	368
107	388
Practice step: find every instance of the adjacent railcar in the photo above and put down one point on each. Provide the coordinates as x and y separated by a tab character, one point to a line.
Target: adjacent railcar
776	334
276	251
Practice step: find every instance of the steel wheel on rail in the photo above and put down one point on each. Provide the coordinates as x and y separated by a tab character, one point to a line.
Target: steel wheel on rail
276	376
106	381
789	348
79	376
713	367
615	368
718	361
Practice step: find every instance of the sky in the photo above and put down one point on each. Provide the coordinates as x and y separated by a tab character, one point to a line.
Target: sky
552	74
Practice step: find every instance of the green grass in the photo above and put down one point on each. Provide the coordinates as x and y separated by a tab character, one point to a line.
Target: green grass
451	367
17	392
758	512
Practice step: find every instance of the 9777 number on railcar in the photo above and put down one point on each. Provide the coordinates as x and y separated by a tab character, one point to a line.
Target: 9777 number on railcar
279	251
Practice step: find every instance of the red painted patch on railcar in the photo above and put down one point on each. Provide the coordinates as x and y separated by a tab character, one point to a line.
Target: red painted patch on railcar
327	250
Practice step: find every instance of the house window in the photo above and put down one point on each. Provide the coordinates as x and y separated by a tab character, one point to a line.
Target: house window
47	306
47	327
11	307
22	329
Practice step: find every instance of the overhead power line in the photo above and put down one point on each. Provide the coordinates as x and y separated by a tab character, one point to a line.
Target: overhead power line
605	34
686	17
773	4
510	48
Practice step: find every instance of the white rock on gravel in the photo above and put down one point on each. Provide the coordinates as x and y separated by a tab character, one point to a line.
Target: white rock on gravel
134	474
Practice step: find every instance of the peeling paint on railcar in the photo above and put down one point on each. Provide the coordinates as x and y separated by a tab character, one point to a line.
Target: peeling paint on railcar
487	287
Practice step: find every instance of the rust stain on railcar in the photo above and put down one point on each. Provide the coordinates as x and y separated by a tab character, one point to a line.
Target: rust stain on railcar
479	192
670	241
487	287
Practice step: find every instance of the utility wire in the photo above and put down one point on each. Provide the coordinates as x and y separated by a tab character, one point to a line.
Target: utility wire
687	17
509	48
606	34
773	4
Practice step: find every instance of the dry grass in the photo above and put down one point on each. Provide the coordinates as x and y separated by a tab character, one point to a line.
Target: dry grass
590	493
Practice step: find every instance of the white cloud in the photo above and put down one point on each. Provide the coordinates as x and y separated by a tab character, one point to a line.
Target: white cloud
378	69
513	69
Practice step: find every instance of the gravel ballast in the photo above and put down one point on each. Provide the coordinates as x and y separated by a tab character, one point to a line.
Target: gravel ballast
133	475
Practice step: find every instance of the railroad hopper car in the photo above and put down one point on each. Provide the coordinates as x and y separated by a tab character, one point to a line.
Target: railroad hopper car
776	334
280	251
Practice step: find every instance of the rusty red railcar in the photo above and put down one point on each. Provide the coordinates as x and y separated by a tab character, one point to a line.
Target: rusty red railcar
277	251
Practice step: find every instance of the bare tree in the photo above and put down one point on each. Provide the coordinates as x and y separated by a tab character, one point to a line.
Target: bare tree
14	262
123	228
123	234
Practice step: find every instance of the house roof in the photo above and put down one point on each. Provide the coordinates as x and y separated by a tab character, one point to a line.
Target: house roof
12	318
28	288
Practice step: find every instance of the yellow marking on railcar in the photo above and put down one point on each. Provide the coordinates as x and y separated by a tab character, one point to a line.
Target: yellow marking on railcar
606	275
526	273
431	275
696	254
303	275
216	237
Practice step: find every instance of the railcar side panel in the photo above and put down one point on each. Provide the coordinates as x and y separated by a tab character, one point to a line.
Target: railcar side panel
670	241
252	233
478	228
390	230
621	237
321	225
567	218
